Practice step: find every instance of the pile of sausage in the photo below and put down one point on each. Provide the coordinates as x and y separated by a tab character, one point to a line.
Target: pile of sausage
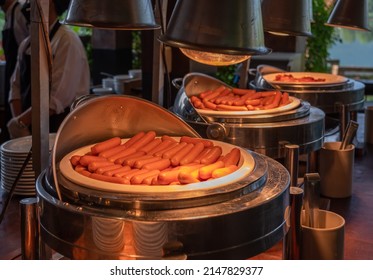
234	99
150	160
303	79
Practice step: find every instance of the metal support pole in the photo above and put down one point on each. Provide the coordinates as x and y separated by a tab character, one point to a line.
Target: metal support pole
292	163
291	242
29	229
40	67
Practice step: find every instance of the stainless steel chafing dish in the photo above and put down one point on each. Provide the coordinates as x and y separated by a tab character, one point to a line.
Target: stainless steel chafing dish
338	100
249	214
264	133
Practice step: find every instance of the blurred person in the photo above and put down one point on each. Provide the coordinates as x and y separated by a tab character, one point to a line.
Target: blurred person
70	76
15	30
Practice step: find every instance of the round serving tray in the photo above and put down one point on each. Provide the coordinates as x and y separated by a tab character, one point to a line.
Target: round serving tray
251	177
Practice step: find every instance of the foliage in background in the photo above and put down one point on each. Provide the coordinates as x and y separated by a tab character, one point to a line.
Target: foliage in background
227	74
323	37
136	49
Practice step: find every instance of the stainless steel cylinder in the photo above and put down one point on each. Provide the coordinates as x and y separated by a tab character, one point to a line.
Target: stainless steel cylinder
291	242
29	229
292	163
368	134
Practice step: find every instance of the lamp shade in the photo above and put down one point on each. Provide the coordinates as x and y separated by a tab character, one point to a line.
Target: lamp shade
350	14
113	14
217	26
287	17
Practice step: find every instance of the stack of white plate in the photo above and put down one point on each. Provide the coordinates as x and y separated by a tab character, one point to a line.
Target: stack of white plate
13	154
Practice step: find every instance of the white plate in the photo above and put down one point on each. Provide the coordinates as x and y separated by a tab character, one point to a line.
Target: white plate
330	79
247	164
295	102
23	144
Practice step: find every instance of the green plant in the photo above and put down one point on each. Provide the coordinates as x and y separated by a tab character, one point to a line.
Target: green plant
317	49
227	74
136	49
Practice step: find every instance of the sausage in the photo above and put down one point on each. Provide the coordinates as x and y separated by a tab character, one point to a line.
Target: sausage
232	158
186	177
151	180
242	99
216	92
133	155
222	107
268	93
212	155
85	160
85	173
102	170
74	160
130	160
141	162
193	153
105	145
176	158
115	180
226	99
79	168
169	147
201	155
135	172
168	176
222	95
243	91
160	164
151	145
267	100
113	151
93	166
205	172
169	153
116	171
125	172
253	102
208	104
138	179
220	172
275	102
122	154
166	143
285	99
134	138
195	140
256	95
147	138
204	94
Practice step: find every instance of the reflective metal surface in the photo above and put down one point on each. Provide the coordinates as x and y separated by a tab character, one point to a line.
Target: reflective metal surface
247	225
228	27
326	97
113	14
266	134
350	14
287	17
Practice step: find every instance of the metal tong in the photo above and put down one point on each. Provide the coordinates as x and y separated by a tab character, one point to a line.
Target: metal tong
349	134
311	199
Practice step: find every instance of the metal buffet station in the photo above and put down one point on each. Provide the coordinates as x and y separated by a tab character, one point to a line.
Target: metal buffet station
339	98
233	217
250	213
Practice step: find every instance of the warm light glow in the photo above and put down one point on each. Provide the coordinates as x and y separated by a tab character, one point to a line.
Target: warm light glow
215	59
